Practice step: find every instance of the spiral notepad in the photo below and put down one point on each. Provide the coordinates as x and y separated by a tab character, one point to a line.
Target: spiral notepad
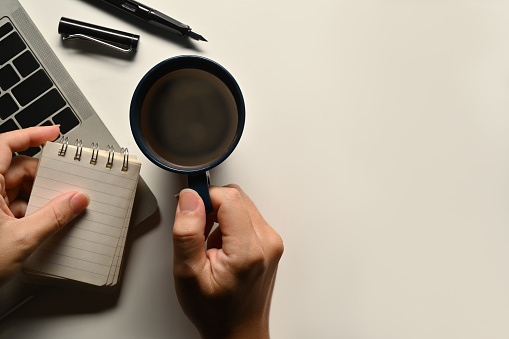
89	249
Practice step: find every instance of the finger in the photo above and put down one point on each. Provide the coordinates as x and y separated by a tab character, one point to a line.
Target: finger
20	176
3	191
4	199
22	168
238	234
254	213
270	239
53	216
4	207
18	208
188	233
20	140
209	224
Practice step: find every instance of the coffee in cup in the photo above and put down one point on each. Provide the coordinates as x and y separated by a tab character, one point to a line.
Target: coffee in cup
187	115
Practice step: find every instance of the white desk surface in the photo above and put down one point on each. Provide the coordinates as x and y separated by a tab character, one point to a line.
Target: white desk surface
376	144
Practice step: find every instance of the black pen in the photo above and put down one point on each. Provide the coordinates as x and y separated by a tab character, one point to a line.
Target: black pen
155	18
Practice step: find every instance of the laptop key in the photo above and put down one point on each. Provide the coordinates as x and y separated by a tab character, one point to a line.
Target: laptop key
32	87
8	77
66	119
47	123
41	109
6	28
10	46
31	151
8	126
7	106
25	63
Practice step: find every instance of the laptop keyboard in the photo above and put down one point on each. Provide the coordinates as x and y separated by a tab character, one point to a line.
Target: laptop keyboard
28	96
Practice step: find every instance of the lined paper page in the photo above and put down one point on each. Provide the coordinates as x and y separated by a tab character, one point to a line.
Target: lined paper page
90	248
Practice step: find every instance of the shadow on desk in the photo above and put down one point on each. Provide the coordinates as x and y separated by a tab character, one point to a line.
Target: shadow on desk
50	301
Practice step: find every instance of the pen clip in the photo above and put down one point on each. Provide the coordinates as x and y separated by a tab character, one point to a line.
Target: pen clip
97	41
120	41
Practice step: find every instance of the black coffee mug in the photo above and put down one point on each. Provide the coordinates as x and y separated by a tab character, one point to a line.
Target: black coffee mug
187	116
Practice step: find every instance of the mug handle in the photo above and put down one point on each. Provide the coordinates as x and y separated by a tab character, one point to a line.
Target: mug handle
200	183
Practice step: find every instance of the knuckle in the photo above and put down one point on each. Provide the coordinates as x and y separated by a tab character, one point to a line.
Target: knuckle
278	246
257	257
233	195
180	231
184	229
255	262
274	242
234	186
21	158
59	217
251	263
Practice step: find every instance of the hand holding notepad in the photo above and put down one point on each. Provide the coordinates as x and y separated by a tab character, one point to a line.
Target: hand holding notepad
89	249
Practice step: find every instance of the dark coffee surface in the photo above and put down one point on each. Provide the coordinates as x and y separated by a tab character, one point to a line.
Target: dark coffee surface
189	118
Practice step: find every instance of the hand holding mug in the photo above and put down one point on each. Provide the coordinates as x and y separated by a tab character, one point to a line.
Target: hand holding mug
226	289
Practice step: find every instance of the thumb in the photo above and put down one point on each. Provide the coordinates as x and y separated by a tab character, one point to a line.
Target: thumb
55	214
188	233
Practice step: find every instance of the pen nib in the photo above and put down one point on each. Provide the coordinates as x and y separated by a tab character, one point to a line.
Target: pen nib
196	36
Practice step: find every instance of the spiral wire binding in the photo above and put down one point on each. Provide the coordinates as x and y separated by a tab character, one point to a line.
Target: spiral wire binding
79	149
65	143
125	164
111	154
95	152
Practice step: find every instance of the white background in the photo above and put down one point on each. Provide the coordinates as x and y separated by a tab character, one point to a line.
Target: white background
376	144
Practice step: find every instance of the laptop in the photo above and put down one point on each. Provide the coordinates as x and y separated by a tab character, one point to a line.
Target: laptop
36	90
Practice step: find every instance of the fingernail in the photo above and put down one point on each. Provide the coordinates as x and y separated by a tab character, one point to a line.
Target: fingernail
79	202
189	201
